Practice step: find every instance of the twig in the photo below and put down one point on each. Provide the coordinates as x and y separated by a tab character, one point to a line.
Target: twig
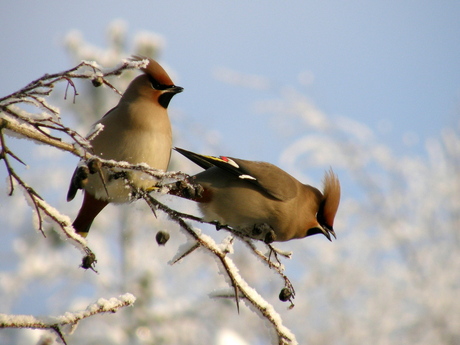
55	324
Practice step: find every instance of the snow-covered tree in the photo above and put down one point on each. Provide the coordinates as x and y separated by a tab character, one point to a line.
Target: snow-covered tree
389	278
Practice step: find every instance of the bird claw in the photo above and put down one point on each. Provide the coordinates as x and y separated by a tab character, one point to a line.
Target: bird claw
270	237
218	225
263	231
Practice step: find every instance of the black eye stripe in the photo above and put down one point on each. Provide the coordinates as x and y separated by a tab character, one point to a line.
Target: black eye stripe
158	86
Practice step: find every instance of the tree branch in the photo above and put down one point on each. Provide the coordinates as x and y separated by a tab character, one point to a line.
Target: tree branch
55	324
240	286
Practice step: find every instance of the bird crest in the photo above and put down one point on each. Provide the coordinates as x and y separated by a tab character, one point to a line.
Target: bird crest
154	70
331	199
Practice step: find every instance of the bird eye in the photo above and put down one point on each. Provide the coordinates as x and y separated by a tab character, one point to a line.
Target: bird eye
155	85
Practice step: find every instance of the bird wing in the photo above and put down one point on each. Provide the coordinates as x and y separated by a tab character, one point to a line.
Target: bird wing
268	177
205	162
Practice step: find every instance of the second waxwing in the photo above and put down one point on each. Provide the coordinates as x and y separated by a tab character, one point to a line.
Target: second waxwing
261	200
137	130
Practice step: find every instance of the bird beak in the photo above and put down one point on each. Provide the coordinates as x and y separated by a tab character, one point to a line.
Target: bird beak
175	89
325	232
322	230
332	232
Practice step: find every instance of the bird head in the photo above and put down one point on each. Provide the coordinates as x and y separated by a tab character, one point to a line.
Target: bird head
155	79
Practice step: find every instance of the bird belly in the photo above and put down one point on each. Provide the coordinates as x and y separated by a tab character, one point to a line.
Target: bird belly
248	215
149	148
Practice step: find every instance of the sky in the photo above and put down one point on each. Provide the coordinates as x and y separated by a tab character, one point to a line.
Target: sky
393	65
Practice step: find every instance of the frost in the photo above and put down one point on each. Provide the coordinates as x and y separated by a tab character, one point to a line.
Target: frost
227	245
136	63
95	131
92	64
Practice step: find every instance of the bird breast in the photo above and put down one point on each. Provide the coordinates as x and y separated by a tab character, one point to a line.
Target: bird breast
134	135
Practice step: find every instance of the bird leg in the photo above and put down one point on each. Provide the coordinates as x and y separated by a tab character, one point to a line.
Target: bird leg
95	166
219	225
264	231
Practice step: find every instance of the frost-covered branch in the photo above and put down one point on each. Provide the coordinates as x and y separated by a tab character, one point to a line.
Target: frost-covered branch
44	85
71	319
277	266
241	289
47	128
38	126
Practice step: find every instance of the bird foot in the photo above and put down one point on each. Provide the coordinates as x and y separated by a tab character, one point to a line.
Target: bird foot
263	231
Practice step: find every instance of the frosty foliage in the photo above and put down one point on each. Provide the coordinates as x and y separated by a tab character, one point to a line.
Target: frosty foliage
390	278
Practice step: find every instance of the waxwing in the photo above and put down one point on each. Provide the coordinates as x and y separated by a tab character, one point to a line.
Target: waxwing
259	199
137	130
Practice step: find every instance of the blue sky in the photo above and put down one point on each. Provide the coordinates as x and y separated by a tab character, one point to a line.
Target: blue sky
379	62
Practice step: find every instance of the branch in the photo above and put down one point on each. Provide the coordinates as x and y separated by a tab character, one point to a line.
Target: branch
46	128
241	287
45	84
55	324
278	267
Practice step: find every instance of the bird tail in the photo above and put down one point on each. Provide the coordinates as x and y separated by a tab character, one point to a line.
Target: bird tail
88	211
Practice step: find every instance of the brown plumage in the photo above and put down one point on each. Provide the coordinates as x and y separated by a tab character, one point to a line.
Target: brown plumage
262	200
137	130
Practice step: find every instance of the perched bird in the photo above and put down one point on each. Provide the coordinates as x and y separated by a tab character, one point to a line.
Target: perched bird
137	130
259	199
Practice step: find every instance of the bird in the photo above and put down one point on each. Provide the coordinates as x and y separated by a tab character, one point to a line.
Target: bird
259	199
137	130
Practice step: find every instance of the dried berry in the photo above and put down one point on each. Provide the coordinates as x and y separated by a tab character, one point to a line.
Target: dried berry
94	165
162	237
89	261
98	81
285	294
